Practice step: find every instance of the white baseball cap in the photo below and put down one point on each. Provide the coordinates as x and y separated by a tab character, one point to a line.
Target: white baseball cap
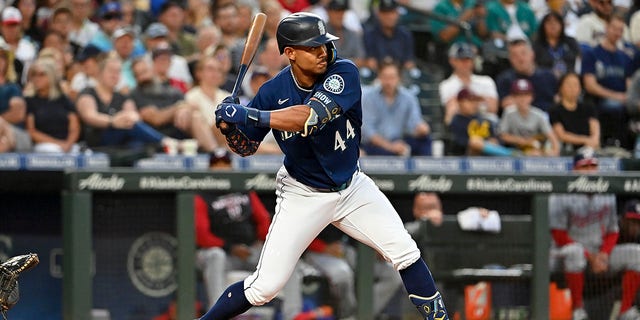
11	15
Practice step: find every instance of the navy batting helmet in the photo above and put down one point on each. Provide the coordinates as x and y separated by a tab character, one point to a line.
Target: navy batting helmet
305	29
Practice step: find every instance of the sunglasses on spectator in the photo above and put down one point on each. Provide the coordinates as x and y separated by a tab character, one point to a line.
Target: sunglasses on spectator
38	74
603	2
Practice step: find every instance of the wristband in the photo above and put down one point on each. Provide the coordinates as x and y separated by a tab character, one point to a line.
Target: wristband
261	119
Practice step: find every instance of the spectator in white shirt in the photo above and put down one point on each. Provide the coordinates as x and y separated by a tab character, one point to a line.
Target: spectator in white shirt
461	56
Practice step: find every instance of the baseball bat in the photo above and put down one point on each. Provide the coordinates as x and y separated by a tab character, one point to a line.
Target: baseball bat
249	51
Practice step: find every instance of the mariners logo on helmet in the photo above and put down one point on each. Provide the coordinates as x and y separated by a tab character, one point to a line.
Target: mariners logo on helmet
321	27
334	83
303	29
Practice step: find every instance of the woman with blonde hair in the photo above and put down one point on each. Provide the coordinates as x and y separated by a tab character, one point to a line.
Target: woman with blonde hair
12	106
58	60
52	121
207	93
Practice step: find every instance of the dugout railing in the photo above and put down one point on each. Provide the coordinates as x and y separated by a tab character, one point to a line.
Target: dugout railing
82	186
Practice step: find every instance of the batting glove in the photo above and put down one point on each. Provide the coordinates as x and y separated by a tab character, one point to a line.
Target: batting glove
233	113
229	127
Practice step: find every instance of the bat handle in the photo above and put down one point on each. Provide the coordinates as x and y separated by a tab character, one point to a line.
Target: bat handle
242	71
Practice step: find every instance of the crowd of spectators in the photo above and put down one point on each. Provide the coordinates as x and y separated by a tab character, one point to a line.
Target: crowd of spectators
79	75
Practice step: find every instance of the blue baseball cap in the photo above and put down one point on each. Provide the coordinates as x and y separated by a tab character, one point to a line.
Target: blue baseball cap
110	9
585	157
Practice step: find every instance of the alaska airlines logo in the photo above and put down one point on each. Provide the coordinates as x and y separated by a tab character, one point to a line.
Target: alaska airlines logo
583	184
425	183
260	182
97	181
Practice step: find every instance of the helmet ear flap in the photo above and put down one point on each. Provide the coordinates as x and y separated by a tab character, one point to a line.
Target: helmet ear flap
332	52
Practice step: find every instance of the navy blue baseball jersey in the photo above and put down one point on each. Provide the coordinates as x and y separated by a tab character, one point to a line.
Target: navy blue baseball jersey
329	157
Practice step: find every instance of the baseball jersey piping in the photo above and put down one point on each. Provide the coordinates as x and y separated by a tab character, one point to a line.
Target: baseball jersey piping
273	222
295	81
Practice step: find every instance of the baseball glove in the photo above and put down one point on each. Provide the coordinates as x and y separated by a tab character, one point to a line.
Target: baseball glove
9	272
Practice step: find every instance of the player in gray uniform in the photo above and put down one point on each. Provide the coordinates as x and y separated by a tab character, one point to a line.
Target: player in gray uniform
313	107
584	228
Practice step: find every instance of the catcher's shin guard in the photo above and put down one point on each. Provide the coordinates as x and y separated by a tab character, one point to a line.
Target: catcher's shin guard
431	308
9	272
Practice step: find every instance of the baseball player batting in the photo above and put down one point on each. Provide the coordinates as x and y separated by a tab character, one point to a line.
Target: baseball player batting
313	107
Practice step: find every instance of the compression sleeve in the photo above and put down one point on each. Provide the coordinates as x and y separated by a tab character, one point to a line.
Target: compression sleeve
240	143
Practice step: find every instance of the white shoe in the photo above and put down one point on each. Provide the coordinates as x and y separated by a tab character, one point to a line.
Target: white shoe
631	314
579	314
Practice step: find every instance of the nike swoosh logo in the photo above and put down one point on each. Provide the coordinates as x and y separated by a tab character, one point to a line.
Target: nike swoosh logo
281	101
